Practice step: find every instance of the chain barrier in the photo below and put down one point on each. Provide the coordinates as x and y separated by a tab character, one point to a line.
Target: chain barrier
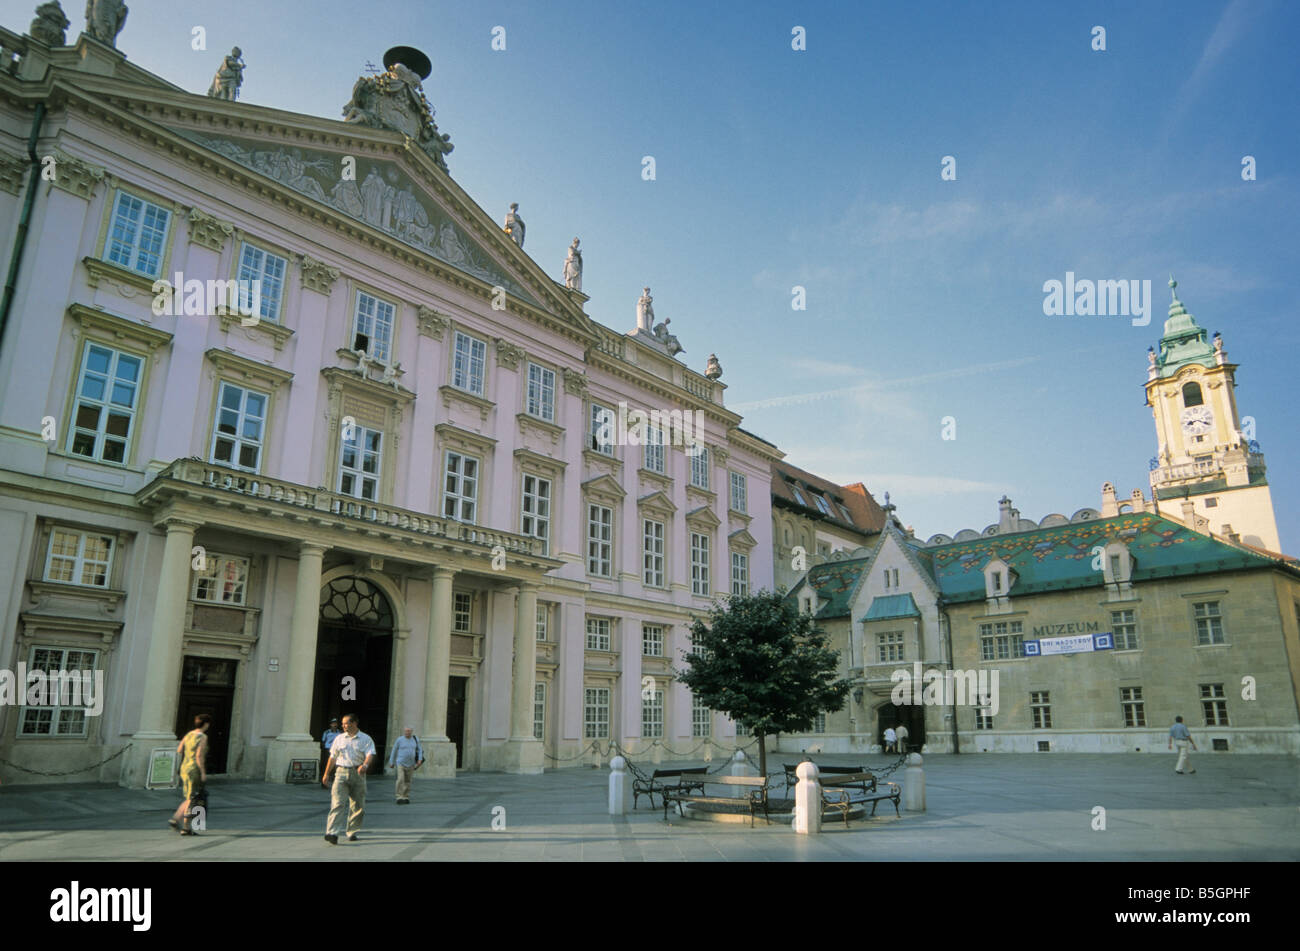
67	772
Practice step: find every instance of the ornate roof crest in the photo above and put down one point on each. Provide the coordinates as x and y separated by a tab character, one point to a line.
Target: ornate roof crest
395	100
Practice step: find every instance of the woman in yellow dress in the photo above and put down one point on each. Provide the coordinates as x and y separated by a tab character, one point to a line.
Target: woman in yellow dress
193	748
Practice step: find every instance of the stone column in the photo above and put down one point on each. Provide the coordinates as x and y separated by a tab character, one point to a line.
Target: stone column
163	672
439	750
295	740
523	751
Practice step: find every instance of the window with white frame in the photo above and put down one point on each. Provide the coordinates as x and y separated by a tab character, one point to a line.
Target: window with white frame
1214	704
60	716
701	718
1001	640
739	492
1040	709
1209	622
359	464
889	647
654	449
460	487
238	428
257	265
819	723
741	729
652	714
652	640
223	579
1134	708
699	564
372	329
652	548
541	392
700	467
137	235
739	573
108	387
602	424
1123	626
543	620
596	713
600	540
598	637
539	709
462	612
535	510
468	362
79	557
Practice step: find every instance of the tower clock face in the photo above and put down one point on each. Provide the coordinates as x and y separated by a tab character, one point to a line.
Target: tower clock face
1197	420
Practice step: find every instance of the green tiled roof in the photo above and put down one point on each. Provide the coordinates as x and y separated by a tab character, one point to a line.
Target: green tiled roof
833	582
1184	341
891	606
1058	558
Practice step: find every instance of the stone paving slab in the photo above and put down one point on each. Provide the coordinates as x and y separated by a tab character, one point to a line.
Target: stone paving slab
1007	807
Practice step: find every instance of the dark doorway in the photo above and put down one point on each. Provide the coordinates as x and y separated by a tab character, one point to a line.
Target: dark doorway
456	690
910	715
354	661
208	686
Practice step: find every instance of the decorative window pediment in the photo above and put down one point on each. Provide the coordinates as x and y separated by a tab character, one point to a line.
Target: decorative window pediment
742	540
703	517
603	488
113	329
243	370
657	503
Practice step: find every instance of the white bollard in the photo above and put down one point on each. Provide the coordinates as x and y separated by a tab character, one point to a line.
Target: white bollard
914	784
740	767
620	787
807	800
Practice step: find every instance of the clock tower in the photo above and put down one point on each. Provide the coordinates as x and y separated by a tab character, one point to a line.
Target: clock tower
1203	457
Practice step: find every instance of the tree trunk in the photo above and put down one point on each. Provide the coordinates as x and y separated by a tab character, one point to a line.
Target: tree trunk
762	755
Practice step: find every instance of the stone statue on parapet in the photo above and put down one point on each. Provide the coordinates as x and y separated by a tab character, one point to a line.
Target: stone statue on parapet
395	100
105	19
50	24
514	225
668	340
229	77
645	312
714	369
573	268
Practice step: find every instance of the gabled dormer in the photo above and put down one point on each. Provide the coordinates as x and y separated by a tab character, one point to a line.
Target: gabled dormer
999	579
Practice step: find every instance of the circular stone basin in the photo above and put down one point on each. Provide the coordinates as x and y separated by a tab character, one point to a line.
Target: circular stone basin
778	810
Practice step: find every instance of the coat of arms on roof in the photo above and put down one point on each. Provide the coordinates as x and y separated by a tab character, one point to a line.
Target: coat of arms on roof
395	100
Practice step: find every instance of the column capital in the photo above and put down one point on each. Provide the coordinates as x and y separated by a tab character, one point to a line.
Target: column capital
312	548
526	586
442	571
173	523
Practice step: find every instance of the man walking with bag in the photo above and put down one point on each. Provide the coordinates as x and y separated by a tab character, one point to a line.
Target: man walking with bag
1179	733
351	756
406	757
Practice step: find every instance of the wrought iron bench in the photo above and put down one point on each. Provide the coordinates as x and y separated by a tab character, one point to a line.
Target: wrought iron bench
755	786
643	785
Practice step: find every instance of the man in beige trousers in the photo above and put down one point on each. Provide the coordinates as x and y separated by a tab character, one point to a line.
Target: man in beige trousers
351	756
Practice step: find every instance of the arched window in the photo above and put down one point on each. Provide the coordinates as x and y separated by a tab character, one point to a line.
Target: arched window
1192	394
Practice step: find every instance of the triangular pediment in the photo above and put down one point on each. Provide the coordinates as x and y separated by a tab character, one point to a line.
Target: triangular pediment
603	485
742	538
703	516
657	501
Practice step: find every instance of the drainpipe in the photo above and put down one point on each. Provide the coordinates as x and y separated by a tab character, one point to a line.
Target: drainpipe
945	627
20	241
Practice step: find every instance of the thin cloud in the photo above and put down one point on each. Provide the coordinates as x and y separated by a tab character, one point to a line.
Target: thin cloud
1232	24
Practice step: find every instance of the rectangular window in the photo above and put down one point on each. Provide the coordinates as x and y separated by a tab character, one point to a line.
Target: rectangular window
1115	567
602	422
699	564
222	580
739	573
1209	622
59	717
889	647
462	612
359	464
107	390
741	729
1134	708
652	551
373	327
653	454
739	493
539	710
467	367
701	719
238	427
1214	704
600	541
1001	640
268	269
137	235
535	510
983	720
598	638
460	487
652	640
543	620
596	713
819	723
1040	708
1123	626
541	392
820	501
652	714
79	558
700	467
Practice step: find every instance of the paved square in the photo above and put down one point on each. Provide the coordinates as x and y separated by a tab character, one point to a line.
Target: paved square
981	807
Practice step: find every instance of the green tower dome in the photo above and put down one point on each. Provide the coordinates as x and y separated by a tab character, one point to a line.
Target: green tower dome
1184	342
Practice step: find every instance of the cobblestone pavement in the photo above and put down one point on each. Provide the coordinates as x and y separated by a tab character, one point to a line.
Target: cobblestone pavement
988	807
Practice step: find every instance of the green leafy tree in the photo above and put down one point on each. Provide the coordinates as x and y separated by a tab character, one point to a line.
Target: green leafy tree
765	665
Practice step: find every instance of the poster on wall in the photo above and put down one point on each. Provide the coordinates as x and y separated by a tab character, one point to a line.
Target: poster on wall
1074	644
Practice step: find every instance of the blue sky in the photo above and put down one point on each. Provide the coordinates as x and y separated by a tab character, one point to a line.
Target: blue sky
821	168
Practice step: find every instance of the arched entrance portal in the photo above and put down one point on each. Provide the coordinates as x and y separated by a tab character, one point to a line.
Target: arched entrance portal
911	715
354	640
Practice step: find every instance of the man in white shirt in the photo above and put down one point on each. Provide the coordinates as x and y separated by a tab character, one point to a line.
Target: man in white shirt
901	736
890	737
351	756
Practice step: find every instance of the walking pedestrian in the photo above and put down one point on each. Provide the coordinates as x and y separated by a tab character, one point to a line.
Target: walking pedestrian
193	750
891	738
351	756
1178	733
406	757
901	736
